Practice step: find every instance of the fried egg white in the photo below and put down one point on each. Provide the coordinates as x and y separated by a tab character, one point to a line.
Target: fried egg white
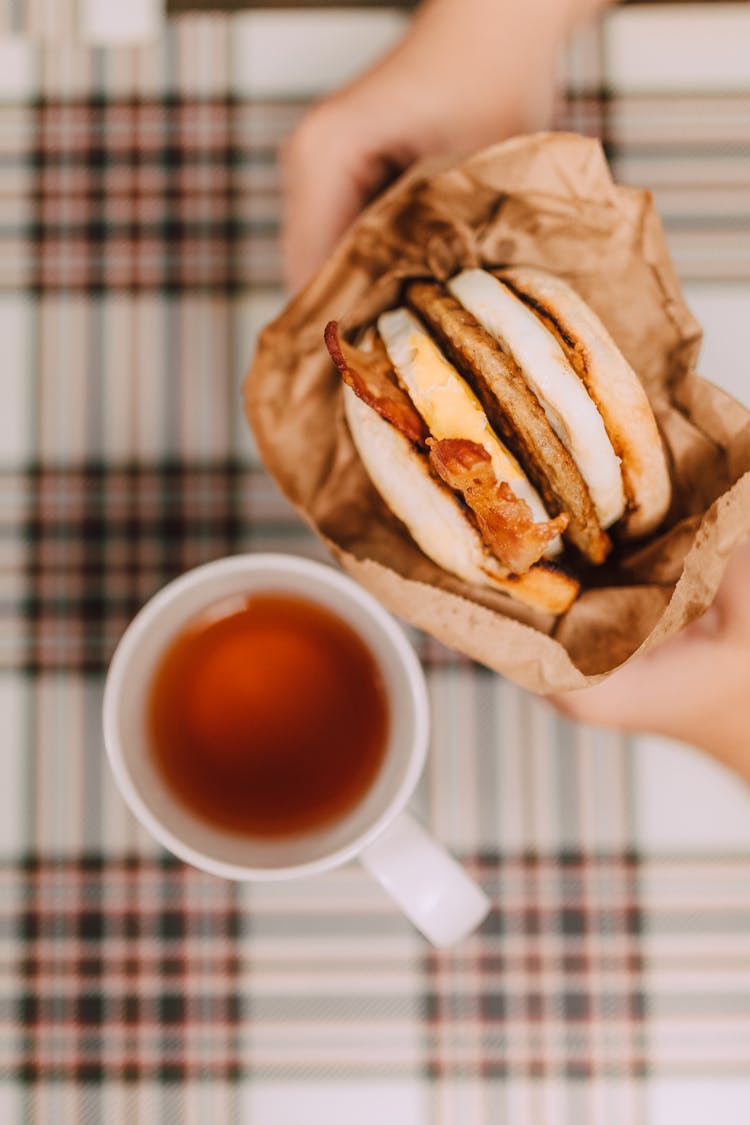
571	412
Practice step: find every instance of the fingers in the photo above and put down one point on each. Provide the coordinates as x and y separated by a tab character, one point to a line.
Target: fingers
318	200
613	703
685	678
330	169
653	692
732	604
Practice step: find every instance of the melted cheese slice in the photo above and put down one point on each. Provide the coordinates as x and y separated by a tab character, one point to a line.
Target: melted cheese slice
571	412
447	403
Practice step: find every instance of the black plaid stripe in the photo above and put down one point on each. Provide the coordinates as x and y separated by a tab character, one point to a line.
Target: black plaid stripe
129	968
181	195
554	983
175	195
131	972
102	540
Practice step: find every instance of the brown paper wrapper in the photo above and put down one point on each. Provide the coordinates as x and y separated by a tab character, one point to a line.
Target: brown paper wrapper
547	200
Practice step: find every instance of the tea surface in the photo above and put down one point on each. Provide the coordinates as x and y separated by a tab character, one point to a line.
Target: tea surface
268	719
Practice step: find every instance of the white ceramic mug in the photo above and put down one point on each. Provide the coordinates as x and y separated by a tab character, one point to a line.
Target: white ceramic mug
426	882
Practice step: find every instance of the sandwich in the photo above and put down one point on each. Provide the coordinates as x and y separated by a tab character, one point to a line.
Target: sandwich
503	427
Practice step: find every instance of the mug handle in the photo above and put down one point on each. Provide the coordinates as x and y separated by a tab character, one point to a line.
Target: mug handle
427	883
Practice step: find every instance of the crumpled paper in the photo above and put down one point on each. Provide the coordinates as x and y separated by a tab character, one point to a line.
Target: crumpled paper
546	200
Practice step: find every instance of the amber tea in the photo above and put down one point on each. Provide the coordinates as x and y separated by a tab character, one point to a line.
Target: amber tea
268	716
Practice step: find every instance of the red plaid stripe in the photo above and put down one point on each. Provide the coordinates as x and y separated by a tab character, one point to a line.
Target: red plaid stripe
135	195
133	984
103	540
181	194
129	972
551	988
172	194
132	970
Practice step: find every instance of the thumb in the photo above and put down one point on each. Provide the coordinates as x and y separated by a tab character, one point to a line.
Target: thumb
327	177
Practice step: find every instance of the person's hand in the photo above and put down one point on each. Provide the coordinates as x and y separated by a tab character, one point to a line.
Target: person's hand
694	688
467	73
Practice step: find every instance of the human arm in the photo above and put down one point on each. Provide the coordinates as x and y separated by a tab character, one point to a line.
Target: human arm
465	74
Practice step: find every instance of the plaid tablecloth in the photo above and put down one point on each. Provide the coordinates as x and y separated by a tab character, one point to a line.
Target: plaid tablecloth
138	257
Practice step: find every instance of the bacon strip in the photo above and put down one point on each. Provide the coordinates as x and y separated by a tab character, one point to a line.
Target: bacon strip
505	522
371	377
